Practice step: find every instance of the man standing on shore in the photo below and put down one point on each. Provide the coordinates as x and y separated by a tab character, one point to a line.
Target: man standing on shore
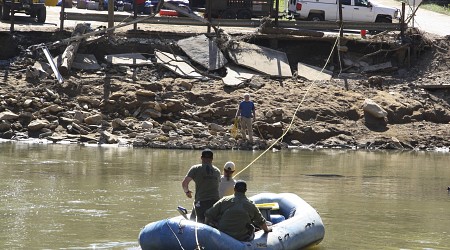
246	112
206	177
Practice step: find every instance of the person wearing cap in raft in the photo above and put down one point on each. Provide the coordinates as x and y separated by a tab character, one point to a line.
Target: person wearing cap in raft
226	186
206	177
235	215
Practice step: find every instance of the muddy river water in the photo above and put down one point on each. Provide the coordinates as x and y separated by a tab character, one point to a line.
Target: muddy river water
79	197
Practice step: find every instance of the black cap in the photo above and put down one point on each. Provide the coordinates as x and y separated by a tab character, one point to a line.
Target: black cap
240	186
207	153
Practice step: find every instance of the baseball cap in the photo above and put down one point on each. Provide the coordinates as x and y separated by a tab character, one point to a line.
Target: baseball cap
229	166
240	186
207	153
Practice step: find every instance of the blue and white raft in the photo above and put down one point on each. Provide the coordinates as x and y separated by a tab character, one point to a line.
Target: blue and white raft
295	223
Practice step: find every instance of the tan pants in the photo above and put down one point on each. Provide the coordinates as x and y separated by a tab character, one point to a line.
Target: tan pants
246	127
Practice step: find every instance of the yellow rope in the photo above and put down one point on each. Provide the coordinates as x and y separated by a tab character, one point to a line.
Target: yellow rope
296	110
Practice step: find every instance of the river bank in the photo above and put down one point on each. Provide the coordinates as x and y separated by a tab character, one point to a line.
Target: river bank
149	106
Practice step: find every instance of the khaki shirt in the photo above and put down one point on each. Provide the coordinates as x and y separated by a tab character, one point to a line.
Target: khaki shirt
206	180
233	213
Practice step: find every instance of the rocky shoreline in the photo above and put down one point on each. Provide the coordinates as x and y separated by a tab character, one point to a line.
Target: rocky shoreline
151	107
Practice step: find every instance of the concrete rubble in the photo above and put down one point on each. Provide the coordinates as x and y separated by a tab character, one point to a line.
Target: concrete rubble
184	94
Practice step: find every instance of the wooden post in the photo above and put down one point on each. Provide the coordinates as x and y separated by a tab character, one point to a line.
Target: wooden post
277	7
402	22
135	14
341	32
110	14
61	15
12	16
208	12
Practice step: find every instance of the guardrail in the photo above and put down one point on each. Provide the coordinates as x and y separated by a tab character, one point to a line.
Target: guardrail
324	25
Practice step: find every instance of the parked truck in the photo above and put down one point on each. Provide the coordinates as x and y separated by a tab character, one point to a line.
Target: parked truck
352	10
34	8
241	9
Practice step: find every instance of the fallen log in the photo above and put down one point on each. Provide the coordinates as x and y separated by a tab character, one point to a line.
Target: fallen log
69	53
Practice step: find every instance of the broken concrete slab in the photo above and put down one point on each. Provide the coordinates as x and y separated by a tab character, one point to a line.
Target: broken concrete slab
127	59
177	64
85	62
313	73
376	67
434	86
42	67
261	59
204	51
237	75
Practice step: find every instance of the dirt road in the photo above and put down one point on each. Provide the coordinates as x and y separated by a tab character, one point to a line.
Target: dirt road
25	23
425	20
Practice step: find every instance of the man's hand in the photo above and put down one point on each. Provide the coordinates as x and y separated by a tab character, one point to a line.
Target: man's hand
189	194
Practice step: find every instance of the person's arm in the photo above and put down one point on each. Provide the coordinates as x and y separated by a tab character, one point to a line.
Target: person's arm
254	113
209	221
185	186
259	220
238	112
265	228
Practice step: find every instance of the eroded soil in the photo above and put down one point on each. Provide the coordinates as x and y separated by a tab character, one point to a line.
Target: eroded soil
150	106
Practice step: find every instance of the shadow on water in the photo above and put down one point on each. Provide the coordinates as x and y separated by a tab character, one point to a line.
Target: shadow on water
325	175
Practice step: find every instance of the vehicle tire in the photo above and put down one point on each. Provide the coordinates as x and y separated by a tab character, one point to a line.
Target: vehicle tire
315	17
244	14
380	19
383	19
5	12
41	15
228	14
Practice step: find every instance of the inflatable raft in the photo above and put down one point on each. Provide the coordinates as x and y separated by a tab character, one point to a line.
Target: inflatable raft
295	225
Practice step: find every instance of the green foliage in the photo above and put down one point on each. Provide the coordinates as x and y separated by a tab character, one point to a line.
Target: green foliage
437	8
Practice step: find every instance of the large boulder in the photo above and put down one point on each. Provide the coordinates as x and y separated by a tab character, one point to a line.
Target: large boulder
174	105
374	109
4	126
37	125
8	115
94	119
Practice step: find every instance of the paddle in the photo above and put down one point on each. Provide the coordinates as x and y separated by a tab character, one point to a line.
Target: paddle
182	211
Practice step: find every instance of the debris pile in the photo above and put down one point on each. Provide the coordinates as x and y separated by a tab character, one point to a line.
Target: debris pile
168	93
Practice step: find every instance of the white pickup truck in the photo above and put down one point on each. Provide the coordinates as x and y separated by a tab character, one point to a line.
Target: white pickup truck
352	10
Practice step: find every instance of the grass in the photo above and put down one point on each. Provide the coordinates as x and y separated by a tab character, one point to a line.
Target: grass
437	8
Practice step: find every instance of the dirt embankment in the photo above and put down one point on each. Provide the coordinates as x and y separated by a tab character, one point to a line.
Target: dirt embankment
151	107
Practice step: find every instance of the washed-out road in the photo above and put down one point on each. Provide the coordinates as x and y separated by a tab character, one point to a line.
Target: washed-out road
428	21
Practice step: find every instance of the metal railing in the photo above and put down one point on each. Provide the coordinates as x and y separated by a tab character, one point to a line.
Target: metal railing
324	25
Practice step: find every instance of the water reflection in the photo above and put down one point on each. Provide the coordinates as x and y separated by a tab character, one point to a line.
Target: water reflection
76	197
